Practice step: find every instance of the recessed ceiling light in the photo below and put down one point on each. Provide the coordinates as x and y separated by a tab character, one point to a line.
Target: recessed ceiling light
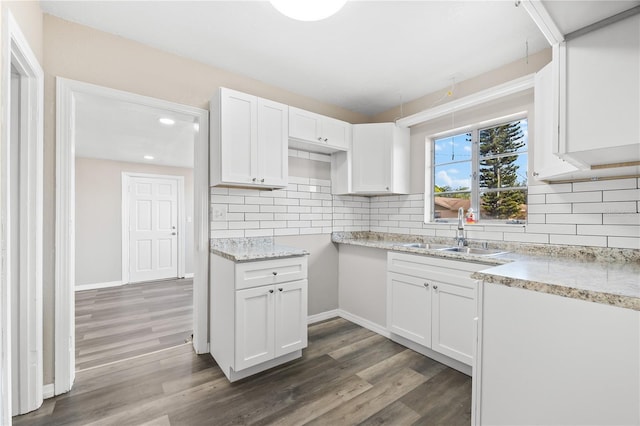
167	121
148	157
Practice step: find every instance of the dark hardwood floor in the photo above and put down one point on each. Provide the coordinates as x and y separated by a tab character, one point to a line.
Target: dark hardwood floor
117	323
348	375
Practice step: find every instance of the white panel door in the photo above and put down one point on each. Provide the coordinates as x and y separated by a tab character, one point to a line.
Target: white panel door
304	125
239	137
254	326
273	148
454	310
409	307
153	221
372	156
291	317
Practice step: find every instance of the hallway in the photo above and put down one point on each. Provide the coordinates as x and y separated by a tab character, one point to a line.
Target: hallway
116	323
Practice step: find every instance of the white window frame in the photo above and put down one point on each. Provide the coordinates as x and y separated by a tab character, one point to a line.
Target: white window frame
475	191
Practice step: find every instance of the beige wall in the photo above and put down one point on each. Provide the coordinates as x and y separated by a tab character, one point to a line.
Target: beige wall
519	68
99	216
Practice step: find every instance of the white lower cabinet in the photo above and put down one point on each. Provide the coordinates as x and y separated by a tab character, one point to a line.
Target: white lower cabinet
432	302
257	320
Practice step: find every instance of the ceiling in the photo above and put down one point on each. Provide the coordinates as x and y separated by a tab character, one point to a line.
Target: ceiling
369	57
111	129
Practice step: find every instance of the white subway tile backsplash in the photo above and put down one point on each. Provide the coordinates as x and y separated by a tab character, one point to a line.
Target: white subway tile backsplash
574	197
548	228
622	195
608	207
585	219
583	213
621	219
550	208
244	208
624	242
610	230
549	189
605	185
578	240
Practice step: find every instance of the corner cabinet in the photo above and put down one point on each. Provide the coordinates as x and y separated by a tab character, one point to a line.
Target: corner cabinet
380	159
315	132
258	316
248	140
432	302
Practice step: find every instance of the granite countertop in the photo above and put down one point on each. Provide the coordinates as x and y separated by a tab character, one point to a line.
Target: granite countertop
601	275
252	249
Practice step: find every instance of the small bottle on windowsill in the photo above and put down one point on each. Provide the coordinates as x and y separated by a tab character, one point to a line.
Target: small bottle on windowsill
471	217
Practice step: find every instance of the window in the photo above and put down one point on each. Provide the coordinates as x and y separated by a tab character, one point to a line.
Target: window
484	169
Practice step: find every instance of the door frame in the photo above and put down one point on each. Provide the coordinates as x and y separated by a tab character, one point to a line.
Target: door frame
126	260
17	52
64	339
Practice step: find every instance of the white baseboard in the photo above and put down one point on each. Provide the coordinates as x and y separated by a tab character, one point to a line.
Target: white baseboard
312	319
376	328
48	391
94	286
189	275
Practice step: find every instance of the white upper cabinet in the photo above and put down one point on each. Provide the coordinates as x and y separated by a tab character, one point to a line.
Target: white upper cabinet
600	96
248	141
380	159
315	132
546	164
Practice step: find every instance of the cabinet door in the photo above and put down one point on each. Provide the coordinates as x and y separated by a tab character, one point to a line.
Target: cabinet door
336	133
371	158
273	134
454	310
291	317
545	163
254	326
238	133
304	125
409	307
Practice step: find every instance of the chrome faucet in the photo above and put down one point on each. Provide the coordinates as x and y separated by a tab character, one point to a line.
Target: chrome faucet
461	240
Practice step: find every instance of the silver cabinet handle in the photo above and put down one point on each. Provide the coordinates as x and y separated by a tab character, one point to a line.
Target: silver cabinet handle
387	188
274	273
271	291
279	289
325	139
435	287
426	285
320	138
254	179
262	180
173	233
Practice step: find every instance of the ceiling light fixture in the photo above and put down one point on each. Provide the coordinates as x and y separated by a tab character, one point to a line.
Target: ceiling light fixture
308	10
167	121
148	157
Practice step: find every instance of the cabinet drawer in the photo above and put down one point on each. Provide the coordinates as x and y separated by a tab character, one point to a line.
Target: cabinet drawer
253	274
431	268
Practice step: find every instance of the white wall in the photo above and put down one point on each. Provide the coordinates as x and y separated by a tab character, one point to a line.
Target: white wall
99	217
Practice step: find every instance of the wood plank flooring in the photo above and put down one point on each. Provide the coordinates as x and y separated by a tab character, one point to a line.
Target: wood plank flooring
348	375
116	323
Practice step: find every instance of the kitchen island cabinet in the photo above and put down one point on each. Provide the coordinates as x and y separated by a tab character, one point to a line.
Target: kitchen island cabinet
549	359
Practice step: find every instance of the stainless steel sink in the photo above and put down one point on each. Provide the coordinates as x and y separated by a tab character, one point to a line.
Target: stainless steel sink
474	250
422	245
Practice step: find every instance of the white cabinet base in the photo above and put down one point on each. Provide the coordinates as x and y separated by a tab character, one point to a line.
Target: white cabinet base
234	376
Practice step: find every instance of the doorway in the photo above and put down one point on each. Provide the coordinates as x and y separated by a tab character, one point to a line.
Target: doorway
21	187
70	95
